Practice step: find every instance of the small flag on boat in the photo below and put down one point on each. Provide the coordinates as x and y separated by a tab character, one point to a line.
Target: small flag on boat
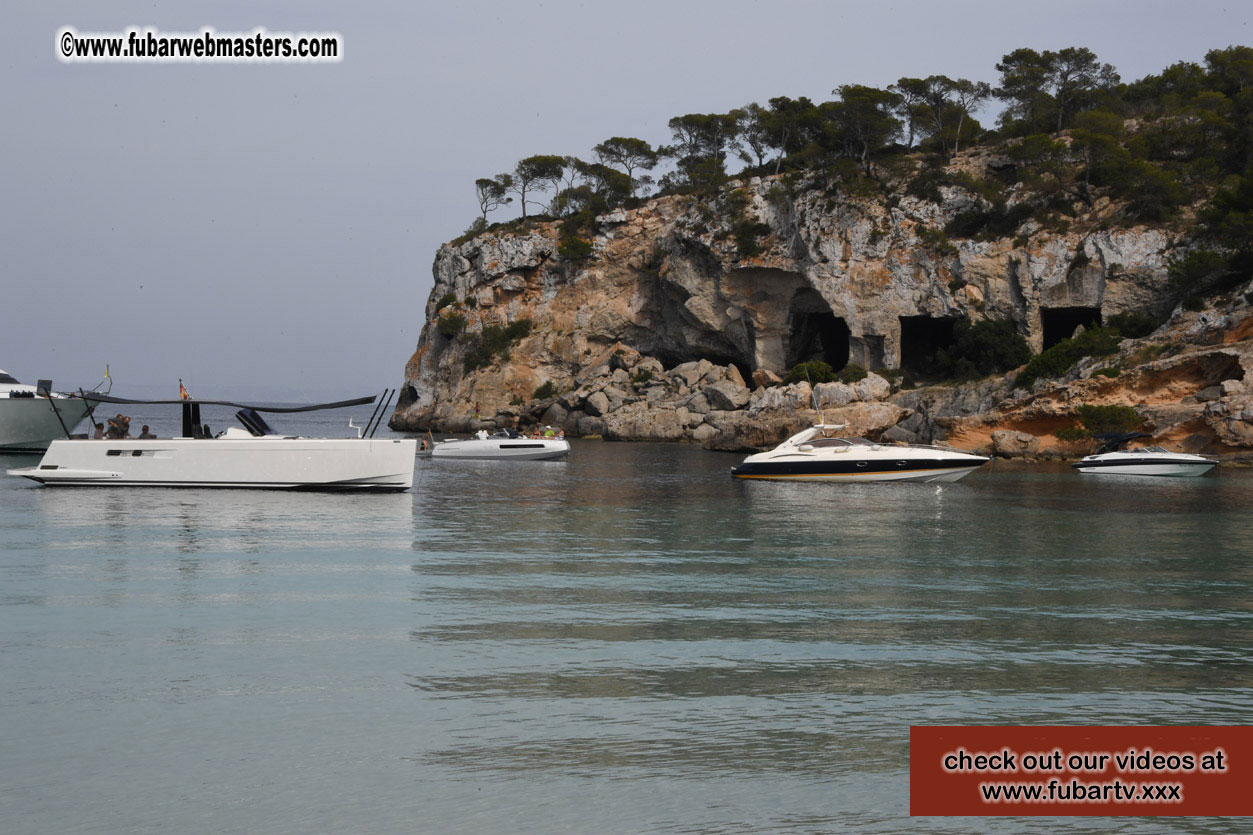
182	391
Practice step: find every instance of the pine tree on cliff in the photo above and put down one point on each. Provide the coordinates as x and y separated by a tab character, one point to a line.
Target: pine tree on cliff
533	173
788	120
629	154
863	118
492	193
1051	86
700	145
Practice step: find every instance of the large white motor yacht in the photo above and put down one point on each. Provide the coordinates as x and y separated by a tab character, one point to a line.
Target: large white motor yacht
819	454
253	456
1114	458
502	444
31	416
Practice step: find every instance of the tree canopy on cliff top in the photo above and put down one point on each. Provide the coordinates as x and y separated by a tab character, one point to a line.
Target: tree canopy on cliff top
1074	130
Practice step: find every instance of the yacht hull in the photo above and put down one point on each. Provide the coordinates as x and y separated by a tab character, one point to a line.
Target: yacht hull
273	463
511	449
1146	468
29	424
920	471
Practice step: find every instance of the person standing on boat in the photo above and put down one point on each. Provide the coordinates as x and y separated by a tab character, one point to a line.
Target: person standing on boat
119	427
145	435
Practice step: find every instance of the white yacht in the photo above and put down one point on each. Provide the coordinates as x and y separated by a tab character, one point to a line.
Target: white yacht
503	444
254	456
31	416
1114	458
819	454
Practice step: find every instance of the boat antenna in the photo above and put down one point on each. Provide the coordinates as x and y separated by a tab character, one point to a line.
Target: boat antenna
377	403
91	412
813	397
382	411
45	388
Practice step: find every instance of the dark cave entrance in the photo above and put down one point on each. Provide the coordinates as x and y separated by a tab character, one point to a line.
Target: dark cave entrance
1058	323
670	358
922	337
815	333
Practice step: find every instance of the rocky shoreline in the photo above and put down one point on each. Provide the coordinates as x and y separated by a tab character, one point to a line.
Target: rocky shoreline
1197	400
669	331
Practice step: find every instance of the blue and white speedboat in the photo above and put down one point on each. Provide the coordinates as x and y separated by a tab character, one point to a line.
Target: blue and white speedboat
819	454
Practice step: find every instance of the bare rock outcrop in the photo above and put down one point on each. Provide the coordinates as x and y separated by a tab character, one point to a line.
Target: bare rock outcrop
669	331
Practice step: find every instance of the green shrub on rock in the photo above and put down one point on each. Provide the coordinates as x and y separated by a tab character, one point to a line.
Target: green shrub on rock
574	248
1056	361
852	373
815	372
1133	324
1096	420
1071	434
450	324
494	341
985	347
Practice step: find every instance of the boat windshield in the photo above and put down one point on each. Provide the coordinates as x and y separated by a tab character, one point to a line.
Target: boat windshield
8	379
837	442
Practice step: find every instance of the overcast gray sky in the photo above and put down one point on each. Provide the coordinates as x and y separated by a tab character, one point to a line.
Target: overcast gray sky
271	227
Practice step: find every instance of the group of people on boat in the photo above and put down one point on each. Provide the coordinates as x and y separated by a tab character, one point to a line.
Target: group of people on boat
119	429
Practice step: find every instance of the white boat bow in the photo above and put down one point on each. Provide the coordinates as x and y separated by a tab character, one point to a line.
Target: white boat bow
32	416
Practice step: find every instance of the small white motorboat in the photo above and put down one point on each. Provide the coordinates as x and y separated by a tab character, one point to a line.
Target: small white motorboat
252	457
818	454
31	416
503	444
1113	458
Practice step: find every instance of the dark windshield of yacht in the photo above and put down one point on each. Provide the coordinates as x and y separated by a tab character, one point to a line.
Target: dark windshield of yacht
839	442
6	379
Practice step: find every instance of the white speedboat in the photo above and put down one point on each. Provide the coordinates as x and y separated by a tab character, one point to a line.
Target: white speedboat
1113	458
31	416
818	454
503	444
253	457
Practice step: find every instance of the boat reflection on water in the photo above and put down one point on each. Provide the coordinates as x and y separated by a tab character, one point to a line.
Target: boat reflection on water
205	520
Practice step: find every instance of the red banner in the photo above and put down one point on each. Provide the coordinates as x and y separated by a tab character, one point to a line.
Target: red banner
1069	770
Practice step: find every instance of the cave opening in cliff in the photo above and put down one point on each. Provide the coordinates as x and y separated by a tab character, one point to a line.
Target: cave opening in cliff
1058	323
922	338
817	336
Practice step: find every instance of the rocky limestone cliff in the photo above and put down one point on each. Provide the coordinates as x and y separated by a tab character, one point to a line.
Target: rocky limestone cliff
671	331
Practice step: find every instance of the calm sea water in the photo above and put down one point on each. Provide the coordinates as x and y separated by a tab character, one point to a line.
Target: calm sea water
627	641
